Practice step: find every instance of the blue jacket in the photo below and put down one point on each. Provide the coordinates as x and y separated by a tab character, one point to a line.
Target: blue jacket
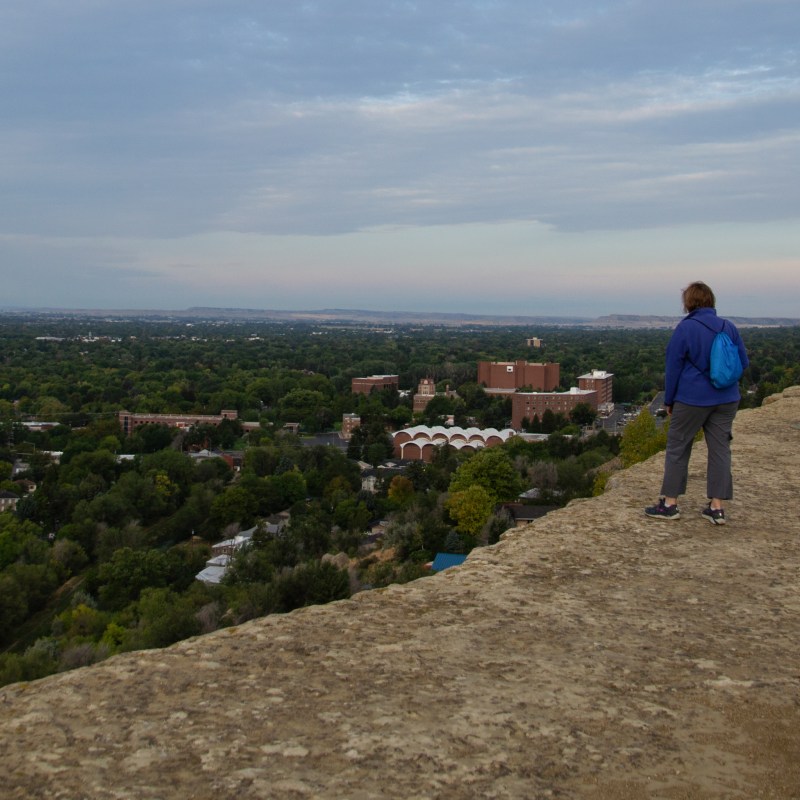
688	356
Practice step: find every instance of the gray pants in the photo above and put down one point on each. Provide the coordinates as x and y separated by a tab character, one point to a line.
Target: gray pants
685	422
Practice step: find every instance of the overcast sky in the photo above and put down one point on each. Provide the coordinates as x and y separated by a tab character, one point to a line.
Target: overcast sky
499	156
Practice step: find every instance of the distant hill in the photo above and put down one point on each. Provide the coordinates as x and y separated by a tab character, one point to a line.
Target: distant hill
651	321
365	317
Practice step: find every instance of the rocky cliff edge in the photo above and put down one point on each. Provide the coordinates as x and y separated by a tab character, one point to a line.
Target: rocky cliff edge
595	653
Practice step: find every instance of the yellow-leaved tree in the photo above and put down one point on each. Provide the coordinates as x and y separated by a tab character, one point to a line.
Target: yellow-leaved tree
642	439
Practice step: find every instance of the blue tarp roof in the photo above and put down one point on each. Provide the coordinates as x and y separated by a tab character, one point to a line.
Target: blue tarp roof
447	560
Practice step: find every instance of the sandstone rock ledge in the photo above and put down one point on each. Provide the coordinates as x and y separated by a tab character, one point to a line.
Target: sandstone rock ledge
595	653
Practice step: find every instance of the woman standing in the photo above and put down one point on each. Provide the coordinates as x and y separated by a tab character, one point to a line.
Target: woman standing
693	402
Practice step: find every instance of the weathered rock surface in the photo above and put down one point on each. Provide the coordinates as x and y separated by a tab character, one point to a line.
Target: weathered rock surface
595	653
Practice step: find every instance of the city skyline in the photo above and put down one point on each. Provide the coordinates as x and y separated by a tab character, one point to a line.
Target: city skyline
470	157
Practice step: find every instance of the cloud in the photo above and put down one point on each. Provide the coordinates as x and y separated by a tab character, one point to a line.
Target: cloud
183	119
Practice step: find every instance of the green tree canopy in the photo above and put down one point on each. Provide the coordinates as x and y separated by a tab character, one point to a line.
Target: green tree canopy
129	572
492	469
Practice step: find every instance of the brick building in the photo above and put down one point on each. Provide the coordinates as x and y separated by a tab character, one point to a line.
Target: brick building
349	423
130	422
534	404
377	382
512	375
426	391
600	381
421	442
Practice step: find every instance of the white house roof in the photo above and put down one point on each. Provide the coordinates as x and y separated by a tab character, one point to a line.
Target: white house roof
211	574
237	541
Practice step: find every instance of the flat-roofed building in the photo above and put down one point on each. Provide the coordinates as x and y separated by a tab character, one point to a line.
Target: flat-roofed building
512	375
130	422
527	405
376	382
600	381
349	423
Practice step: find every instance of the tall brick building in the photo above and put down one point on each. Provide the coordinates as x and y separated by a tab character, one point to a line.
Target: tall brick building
349	423
512	375
600	381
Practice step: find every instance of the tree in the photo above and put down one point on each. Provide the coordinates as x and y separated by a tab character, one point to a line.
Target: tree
492	469
417	473
400	416
150	439
370	443
573	479
312	583
251	564
174	464
549	422
13	606
310	533
404	534
401	491
352	515
301	404
212	469
497	413
439	407
20	540
583	414
100	463
80	620
261	460
69	555
164	617
128	573
559	446
453	543
641	439
499	522
470	508
289	488
235	504
338	489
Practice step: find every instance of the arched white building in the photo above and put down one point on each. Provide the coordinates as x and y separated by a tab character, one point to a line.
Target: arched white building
419	442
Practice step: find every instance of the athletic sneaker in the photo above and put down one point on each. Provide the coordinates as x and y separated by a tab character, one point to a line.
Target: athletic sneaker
663	511
716	516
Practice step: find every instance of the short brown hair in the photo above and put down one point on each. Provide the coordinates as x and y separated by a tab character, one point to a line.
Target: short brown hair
698	295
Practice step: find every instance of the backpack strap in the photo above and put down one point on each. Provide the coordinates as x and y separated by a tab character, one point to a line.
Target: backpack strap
706	371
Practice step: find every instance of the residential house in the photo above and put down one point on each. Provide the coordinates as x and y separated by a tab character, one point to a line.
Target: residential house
8	500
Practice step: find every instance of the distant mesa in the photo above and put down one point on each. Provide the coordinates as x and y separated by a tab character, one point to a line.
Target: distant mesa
364	317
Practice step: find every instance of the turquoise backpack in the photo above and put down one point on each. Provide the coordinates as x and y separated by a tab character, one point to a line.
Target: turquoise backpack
725	366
